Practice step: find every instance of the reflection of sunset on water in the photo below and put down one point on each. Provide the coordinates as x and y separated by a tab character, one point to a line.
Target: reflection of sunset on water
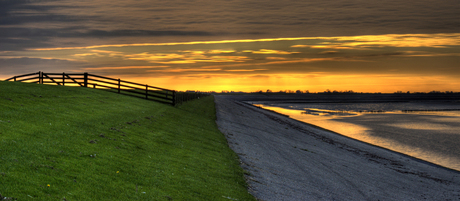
366	127
323	121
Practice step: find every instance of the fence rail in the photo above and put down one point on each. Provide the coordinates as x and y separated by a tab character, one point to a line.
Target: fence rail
115	85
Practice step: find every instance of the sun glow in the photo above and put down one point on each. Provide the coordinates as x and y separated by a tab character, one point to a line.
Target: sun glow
368	63
218	81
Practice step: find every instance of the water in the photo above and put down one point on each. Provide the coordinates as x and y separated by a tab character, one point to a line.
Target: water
428	131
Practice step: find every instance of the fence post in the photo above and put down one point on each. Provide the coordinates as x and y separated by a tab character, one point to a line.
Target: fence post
174	98
15	78
85	75
40	77
146	91
118	85
63	78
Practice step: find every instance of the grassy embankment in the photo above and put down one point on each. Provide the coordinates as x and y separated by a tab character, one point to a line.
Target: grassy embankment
72	143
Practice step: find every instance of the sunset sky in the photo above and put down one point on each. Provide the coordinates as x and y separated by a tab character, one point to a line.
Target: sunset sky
239	45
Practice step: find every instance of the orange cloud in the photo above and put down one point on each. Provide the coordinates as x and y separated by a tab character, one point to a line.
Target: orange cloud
328	52
187	58
328	45
145	56
195	52
426	54
245	70
86	54
441	40
220	51
266	51
275	58
307	60
403	40
125	67
99	53
300	46
184	70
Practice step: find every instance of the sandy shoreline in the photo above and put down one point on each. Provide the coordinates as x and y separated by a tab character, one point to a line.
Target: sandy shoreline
289	160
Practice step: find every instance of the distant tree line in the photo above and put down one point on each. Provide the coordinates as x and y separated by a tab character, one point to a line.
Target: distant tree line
306	92
339	92
431	92
283	91
327	91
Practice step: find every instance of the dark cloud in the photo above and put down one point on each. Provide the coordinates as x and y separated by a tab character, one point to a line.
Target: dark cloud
76	33
16	44
22	38
15	20
15	12
16	66
53	23
130	33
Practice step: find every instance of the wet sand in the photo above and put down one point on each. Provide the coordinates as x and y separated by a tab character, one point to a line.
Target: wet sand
291	160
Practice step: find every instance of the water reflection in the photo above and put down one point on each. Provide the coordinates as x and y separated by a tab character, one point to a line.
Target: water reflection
432	136
421	126
314	111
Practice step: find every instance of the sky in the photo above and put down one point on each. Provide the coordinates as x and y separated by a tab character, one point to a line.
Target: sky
239	45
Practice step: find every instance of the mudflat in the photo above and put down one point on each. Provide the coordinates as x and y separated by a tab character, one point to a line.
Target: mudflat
290	160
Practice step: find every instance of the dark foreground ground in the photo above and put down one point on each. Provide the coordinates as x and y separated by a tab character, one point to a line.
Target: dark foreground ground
290	160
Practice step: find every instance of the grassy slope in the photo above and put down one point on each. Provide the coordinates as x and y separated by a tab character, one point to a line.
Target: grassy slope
143	150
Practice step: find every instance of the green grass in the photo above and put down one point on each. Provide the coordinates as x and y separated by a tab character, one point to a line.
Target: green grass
73	143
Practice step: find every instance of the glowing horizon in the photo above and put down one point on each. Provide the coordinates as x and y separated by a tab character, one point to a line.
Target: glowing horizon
368	63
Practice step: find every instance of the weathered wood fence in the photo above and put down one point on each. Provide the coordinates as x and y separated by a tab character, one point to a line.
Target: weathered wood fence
114	85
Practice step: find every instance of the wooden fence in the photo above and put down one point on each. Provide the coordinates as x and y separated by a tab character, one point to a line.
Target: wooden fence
114	85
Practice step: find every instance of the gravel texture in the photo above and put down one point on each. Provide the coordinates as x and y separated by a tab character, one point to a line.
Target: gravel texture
289	160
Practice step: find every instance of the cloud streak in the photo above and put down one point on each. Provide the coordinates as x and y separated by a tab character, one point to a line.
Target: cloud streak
264	53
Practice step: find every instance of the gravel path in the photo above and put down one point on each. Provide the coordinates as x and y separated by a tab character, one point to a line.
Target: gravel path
291	160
